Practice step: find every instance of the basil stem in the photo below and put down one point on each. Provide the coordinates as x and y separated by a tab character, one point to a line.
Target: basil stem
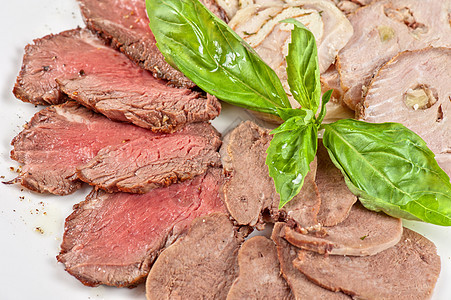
213	56
391	169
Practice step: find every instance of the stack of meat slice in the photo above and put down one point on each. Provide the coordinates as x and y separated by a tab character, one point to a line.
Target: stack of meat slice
151	155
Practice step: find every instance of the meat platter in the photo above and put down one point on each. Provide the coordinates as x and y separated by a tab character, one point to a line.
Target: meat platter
32	224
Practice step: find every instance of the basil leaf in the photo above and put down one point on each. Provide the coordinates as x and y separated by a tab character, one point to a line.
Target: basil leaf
391	169
324	101
290	153
287	113
213	56
303	67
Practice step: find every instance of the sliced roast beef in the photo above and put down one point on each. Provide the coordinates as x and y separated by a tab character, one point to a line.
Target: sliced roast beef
103	79
362	233
413	89
125	24
113	239
68	54
249	192
336	198
259	25
202	265
301	287
60	139
382	30
408	270
259	276
140	165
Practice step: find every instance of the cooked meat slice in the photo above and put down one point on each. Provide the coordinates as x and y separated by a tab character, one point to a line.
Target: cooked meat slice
140	165
60	139
414	89
57	56
382	30
259	275
125	24
113	239
259	25
301	287
202	265
140	99
408	270
106	81
350	6
362	233
336	198
330	80
243	156
230	7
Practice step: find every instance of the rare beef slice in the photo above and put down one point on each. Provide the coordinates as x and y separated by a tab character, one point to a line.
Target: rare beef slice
408	270
140	165
249	192
78	65
113	239
362	233
301	287
336	198
201	265
382	30
125	24
259	276
407	90
60	139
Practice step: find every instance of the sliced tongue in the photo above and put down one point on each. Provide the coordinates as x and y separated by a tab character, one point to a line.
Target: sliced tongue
409	270
362	233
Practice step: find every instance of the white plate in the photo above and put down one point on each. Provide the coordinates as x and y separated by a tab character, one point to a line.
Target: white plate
28	267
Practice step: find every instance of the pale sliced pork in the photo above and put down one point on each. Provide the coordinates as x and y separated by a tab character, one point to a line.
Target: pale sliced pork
414	89
408	270
382	30
363	233
258	24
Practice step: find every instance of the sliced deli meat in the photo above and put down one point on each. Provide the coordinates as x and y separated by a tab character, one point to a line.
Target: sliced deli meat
301	287
363	233
146	163
114	156
382	30
58	139
414	89
249	192
113	239
259	25
125	24
409	270
201	265
78	65
259	275
336	198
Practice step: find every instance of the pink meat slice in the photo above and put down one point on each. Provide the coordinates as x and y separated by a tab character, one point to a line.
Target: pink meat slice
78	65
58	139
146	163
125	24
113	239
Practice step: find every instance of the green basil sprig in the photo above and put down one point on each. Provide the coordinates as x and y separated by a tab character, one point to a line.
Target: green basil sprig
388	166
391	169
213	56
